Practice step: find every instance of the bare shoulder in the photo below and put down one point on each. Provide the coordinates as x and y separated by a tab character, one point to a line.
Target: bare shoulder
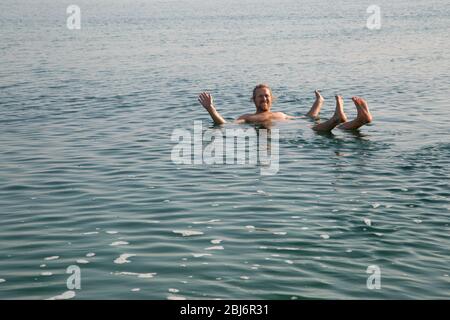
280	115
244	116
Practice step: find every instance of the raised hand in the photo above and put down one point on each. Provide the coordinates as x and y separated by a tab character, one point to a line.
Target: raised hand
206	100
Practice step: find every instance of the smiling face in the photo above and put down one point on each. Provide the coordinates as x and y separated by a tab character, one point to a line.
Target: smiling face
262	99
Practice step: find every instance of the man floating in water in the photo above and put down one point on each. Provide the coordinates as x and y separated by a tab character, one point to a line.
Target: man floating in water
263	98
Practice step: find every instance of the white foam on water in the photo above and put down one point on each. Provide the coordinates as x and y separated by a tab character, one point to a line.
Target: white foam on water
2	280
135	274
244	277
90	255
215	248
289	261
367	222
188	233
375	205
82	261
288	248
206	222
46	274
262	247
66	295
123	258
42	265
136	290
280	233
404	189
335	210
378	234
217	241
112	232
275	255
119	243
146	275
325	236
295	217
153	221
250	227
305	228
261	191
172	290
166	201
215	205
199	255
349	250
417	221
174	297
89	233
51	258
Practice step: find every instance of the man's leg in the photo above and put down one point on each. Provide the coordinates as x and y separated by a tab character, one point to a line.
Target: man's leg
338	117
317	105
363	116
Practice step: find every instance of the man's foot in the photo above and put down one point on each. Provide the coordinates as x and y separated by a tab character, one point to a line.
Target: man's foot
339	115
319	97
317	105
362	108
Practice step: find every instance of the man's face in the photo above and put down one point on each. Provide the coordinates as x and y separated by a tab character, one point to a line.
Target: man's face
263	99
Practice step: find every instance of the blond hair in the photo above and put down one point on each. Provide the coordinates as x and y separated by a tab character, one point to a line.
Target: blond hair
261	86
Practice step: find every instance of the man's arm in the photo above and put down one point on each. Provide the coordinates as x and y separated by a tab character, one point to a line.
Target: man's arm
294	117
206	100
283	116
241	119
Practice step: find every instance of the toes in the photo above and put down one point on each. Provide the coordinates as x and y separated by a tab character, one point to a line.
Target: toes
357	100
